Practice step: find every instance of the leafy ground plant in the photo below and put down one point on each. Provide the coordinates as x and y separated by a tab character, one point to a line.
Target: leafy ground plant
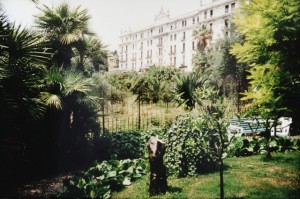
98	181
242	146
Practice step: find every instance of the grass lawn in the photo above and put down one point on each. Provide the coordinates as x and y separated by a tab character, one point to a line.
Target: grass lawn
246	177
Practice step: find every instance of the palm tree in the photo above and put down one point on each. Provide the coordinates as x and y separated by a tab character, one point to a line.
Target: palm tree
63	27
203	35
22	56
22	61
186	85
73	110
90	49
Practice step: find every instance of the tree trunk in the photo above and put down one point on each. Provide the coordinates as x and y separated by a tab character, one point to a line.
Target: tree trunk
158	174
221	178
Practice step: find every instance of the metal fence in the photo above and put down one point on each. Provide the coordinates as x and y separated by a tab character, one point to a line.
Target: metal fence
127	116
122	123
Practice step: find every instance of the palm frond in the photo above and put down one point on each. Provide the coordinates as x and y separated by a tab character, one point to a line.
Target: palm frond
52	100
74	81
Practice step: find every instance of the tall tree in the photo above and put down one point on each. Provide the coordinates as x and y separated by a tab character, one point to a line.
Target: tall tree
63	27
272	37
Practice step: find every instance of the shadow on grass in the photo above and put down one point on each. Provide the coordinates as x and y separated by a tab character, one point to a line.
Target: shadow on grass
212	169
172	189
280	158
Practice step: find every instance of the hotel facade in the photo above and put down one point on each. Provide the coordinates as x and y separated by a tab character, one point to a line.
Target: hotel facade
169	41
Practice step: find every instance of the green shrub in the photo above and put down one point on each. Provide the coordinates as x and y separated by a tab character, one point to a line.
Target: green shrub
126	144
241	146
189	149
98	181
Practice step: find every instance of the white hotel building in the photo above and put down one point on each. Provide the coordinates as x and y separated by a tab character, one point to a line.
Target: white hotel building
170	41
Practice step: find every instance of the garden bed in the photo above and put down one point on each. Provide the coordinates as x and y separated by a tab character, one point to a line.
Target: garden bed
245	177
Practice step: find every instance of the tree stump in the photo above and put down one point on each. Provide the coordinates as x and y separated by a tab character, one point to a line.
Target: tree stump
158	176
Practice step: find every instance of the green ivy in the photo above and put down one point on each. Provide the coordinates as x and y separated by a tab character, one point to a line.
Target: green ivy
189	149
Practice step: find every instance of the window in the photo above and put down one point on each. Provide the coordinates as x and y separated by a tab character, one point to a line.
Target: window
174	48
171	37
142	35
174	61
160	41
170	61
226	8
170	49
193	20
160	51
171	27
151	42
161	30
232	6
174	37
205	15
183	47
226	23
193	45
211	26
211	13
132	46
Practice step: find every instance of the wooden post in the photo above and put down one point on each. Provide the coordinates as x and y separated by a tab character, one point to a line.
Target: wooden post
158	176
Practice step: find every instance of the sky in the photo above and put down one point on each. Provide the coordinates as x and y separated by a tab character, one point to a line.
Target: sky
108	17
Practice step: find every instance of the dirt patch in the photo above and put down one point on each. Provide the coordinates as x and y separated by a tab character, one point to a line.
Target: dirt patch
45	188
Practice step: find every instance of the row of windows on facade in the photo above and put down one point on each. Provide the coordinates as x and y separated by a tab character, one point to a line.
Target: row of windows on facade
160	52
160	62
183	22
174	37
149	42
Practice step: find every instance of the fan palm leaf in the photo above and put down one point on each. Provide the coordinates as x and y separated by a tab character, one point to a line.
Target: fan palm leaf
64	27
202	34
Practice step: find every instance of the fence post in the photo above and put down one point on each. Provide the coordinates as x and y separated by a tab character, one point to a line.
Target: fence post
139	107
